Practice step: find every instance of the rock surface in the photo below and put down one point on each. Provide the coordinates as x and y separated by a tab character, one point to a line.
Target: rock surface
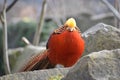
103	65
100	37
36	75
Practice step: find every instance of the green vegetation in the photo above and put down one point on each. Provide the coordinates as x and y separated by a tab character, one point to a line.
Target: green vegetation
17	31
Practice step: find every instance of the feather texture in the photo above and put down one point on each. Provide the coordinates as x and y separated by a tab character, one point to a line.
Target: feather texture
41	61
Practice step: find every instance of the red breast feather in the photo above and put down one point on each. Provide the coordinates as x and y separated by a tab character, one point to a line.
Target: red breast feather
65	48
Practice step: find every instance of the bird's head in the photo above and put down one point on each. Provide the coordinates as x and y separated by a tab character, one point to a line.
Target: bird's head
70	24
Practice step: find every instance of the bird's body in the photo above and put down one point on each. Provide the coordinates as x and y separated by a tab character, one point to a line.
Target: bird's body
65	46
68	45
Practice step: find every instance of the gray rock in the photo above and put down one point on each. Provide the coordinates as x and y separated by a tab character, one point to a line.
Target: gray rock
103	65
100	37
36	75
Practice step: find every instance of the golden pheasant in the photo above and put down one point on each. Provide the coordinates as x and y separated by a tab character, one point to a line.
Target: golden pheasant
65	46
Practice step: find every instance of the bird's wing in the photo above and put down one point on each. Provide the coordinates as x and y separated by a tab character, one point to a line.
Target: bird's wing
41	61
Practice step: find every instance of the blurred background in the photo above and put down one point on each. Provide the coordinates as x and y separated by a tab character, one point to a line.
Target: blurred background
23	19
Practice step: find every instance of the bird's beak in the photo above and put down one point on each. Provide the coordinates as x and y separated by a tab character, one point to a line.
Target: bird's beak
71	29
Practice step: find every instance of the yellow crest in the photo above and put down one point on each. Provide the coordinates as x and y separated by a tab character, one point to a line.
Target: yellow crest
70	23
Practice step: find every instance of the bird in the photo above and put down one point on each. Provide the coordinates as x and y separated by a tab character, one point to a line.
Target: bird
65	46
